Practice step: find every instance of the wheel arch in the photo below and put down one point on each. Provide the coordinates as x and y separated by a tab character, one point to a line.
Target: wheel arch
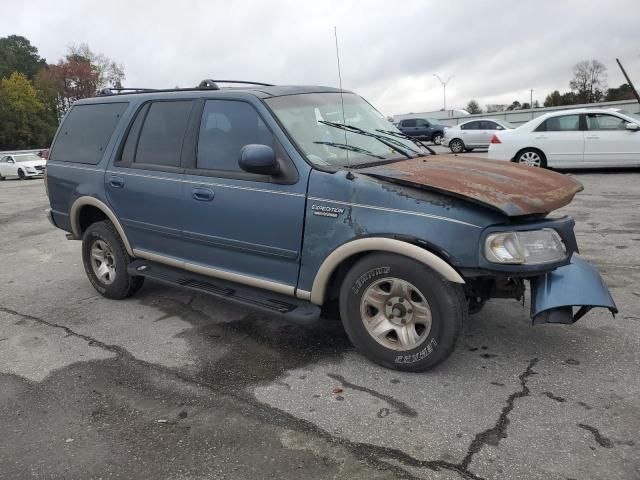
86	207
350	251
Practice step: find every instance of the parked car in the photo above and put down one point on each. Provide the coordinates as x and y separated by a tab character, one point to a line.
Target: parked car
579	138
254	195
22	165
473	134
423	129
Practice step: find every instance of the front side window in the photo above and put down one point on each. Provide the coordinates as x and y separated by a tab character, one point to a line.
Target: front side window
409	123
227	126
421	122
160	141
599	121
329	137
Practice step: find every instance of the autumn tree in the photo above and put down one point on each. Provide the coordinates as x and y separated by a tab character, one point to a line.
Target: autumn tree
21	115
589	81
473	107
18	55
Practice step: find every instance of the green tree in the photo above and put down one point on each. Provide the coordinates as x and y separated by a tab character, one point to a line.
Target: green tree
21	115
515	105
18	55
623	92
473	107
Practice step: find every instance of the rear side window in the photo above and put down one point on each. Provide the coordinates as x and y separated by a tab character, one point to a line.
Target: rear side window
225	128
86	131
471	126
162	133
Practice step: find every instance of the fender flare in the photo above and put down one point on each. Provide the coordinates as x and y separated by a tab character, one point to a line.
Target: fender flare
100	205
377	244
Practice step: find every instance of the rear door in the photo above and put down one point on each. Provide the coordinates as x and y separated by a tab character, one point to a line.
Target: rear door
561	139
246	227
608	143
487	130
144	185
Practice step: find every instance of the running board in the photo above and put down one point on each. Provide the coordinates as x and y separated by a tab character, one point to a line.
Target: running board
289	308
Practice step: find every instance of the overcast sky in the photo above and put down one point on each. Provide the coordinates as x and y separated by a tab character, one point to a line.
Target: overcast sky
389	50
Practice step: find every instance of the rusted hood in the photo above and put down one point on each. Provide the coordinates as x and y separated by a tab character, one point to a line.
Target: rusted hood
508	187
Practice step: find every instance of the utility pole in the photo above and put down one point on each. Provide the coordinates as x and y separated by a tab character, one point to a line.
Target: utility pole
633	89
444	89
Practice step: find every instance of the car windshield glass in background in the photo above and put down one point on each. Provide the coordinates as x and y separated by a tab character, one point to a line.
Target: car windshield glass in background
433	121
325	145
635	116
27	158
506	124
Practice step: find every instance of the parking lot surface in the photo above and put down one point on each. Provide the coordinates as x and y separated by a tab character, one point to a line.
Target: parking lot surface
173	385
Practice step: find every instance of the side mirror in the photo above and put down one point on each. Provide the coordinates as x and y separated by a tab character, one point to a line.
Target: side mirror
11	160
498	127
634	127
259	159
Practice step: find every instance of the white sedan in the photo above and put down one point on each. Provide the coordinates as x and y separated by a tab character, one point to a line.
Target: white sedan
473	134
581	138
22	165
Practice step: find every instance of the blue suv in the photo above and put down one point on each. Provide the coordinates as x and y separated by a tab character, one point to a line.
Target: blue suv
305	200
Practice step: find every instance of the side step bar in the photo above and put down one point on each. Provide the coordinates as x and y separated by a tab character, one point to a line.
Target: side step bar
282	306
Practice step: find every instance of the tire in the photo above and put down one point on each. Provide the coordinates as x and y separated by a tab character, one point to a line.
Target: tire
384	279
21	175
101	245
531	157
437	138
456	145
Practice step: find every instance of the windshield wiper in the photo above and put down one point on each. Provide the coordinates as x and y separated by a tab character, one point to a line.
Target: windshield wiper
389	142
351	148
407	137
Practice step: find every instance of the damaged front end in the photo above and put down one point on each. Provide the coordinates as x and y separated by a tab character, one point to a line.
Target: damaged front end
576	285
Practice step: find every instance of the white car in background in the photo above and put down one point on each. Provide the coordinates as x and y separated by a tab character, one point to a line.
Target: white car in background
472	134
22	165
582	138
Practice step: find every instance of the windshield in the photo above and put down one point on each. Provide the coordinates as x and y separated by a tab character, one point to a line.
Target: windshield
27	158
635	116
506	124
316	123
434	121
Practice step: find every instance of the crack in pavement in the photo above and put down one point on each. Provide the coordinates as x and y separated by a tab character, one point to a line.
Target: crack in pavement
401	407
374	455
597	436
493	435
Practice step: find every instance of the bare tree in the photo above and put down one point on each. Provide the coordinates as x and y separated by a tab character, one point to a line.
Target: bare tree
589	81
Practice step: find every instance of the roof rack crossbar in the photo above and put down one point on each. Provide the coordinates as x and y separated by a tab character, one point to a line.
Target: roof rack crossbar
119	90
213	84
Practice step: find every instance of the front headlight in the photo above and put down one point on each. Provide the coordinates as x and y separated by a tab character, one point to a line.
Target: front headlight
527	247
30	169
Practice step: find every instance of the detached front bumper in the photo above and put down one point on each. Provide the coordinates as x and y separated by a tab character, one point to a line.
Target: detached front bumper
578	284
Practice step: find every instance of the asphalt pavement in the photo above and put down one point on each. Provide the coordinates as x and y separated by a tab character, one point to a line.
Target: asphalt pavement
172	385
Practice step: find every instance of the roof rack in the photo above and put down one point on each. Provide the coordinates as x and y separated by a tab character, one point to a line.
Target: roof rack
207	84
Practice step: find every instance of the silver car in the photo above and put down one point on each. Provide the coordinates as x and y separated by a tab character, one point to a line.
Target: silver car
473	134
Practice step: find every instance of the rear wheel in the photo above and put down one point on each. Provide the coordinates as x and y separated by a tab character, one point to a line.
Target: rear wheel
400	313
105	261
456	145
532	158
21	174
437	138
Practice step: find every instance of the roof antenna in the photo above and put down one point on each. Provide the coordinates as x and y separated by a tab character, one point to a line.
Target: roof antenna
344	120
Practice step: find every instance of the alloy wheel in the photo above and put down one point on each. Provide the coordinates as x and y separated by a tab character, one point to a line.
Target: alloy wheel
396	314
531	158
103	262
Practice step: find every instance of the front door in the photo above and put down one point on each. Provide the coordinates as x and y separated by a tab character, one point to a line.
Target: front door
608	143
144	184
241	226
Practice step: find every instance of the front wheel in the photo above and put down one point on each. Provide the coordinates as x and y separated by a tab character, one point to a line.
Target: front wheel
21	174
437	138
532	158
105	261
400	313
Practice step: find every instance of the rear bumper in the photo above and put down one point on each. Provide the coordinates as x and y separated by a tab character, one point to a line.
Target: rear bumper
499	151
578	284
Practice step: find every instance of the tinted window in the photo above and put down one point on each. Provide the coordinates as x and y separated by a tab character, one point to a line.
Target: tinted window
129	149
598	121
225	128
160	141
409	123
86	131
471	126
486	125
566	123
421	122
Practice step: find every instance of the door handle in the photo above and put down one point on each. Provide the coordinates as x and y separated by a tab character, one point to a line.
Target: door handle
592	137
202	194
116	182
541	137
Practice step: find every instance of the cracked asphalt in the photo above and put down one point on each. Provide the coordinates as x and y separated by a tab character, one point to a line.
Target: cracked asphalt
172	385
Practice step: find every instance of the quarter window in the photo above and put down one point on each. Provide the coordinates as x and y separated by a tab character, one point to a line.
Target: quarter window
160	141
598	121
225	128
